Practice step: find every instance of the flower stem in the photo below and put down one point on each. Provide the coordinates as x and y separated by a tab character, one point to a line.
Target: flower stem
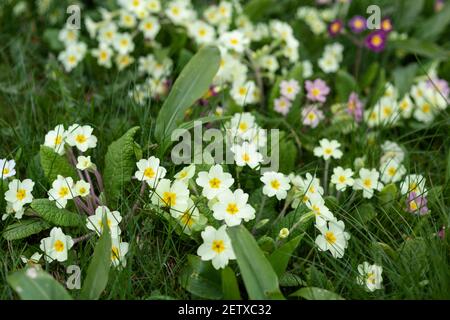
325	177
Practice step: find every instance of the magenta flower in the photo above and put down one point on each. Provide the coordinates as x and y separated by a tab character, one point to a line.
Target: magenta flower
311	116
317	90
358	24
386	25
355	107
416	204
376	41
335	28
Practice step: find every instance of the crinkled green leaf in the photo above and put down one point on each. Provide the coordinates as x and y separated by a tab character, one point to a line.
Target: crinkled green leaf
53	165
24	228
120	164
48	211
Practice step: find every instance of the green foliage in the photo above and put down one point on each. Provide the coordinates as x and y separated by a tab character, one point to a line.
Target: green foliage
48	211
53	165
120	163
201	279
279	259
256	9
312	293
33	283
424	48
230	285
259	277
404	77
192	83
24	228
435	25
98	270
345	84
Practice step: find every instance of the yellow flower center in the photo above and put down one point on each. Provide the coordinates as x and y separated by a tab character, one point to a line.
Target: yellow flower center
232	208
82	190
246	157
21	194
426	108
413	187
242	91
5	171
315	92
387	111
413	205
72	59
330	237
170	198
328	151
214	183
311	116
234	41
149	173
403	105
275	184
218	246
58	139
114	253
392	171
187	219
58	245
335	27
80	138
202	32
108	222
367	183
342	179
149	26
183	174
243	126
175	11
63	191
376	40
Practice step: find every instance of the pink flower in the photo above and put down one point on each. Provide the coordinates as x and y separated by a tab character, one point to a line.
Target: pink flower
317	90
417	204
311	116
355	107
289	88
282	105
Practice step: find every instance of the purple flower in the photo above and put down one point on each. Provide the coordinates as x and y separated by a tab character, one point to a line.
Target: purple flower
376	41
335	28
317	90
417	204
386	25
439	5
311	116
440	84
358	24
355	107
